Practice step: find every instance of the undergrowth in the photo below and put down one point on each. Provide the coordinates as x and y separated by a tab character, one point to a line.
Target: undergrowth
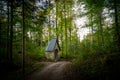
96	67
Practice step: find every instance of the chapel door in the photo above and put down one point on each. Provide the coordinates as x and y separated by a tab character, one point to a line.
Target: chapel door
56	54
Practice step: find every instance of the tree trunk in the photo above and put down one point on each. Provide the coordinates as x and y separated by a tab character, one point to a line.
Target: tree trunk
61	32
117	34
65	27
23	39
49	28
11	33
56	20
101	30
70	27
92	37
98	36
49	23
8	21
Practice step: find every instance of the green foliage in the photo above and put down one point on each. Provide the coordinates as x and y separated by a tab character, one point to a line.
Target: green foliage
97	67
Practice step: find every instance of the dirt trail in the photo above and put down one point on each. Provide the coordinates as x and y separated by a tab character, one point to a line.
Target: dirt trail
51	71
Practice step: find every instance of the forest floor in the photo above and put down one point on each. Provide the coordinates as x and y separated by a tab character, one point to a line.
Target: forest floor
50	71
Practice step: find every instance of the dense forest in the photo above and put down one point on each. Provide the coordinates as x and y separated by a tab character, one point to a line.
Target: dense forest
27	26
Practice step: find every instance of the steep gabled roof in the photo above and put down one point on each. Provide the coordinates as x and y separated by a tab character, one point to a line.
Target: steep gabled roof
51	45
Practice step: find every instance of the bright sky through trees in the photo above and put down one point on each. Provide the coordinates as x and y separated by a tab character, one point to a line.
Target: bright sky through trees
80	21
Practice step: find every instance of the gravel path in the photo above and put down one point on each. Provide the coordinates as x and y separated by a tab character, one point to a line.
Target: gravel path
50	71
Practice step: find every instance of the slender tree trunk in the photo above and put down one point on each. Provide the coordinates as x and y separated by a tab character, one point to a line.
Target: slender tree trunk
117	29
65	27
49	24
11	33
61	32
76	43
0	32
49	29
92	37
56	19
98	35
23	39
8	21
101	30
70	27
76	35
0	36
